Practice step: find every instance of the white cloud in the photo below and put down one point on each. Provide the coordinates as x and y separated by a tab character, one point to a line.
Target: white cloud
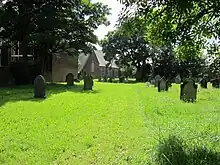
116	7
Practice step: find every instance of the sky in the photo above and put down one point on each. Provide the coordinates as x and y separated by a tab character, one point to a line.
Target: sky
116	7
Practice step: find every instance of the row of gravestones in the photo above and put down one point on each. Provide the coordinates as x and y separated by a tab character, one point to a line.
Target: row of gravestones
188	89
121	80
40	84
203	81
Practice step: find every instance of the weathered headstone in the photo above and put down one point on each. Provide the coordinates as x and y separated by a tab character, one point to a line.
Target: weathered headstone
162	85
70	79
178	79
39	87
188	90
152	81
88	82
147	84
157	79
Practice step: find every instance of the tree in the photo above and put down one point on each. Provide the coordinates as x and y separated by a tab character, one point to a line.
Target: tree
52	26
128	50
179	19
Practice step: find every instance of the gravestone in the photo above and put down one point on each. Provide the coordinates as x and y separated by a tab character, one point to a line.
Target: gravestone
178	79
162	85
152	81
39	87
70	79
204	83
147	84
188	90
157	79
88	82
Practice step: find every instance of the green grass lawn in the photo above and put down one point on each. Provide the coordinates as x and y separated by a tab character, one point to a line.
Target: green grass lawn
114	124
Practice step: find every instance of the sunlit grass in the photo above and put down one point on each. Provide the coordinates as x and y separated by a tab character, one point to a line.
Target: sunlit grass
114	124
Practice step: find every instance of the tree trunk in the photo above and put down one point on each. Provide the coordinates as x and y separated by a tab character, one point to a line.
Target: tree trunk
43	63
138	74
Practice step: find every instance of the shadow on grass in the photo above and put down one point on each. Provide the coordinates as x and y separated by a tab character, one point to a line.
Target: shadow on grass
26	93
173	151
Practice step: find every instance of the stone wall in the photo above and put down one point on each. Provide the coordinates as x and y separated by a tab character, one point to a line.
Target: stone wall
62	65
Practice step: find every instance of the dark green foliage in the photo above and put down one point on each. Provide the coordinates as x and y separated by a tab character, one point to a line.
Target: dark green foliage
178	20
52	26
110	80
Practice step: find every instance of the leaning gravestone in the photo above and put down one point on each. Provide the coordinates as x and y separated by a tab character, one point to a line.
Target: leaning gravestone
88	82
157	79
178	79
188	90
39	87
162	85
70	79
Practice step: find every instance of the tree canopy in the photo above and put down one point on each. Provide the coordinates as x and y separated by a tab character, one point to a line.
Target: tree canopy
177	20
57	24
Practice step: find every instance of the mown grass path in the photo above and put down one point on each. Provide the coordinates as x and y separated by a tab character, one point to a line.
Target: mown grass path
115	124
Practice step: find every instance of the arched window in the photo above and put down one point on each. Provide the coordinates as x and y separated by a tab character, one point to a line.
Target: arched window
92	67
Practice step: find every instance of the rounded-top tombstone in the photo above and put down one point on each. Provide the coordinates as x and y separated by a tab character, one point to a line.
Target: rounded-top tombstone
162	85
188	90
178	79
157	79
39	87
88	82
70	79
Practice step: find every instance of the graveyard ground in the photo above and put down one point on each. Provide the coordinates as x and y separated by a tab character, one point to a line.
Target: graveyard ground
114	124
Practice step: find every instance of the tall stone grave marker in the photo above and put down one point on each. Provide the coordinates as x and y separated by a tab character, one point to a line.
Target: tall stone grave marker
39	87
88	82
188	90
157	79
163	85
178	79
